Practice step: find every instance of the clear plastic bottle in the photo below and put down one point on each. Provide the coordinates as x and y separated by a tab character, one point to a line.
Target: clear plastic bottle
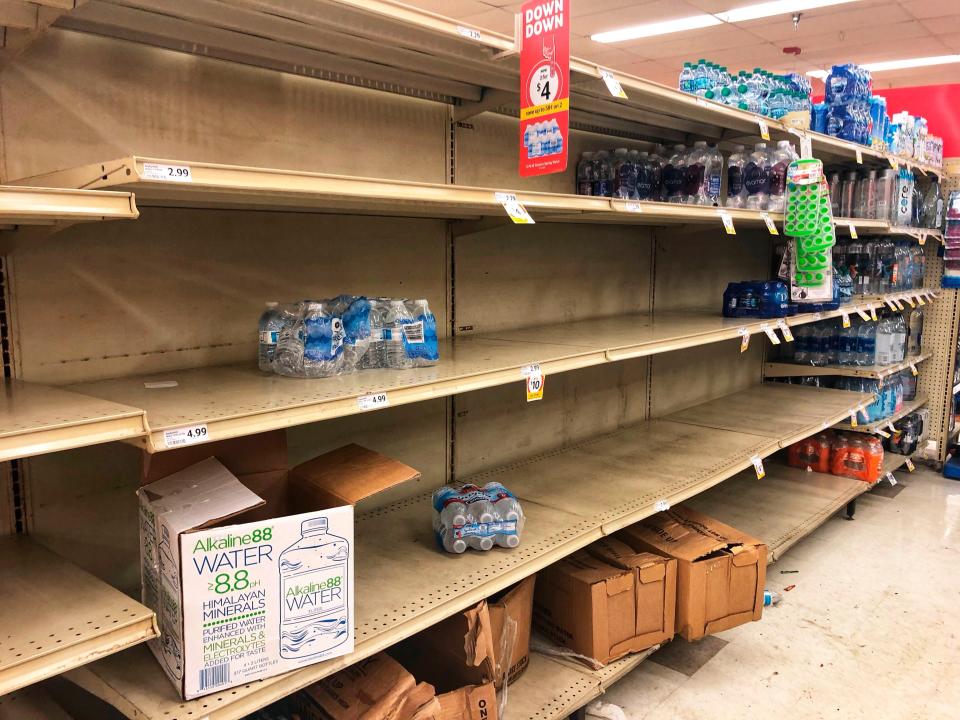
624	175
602	178
314	614
848	194
647	173
657	159
915	332
757	177
270	326
835	190
687	78
866	204
586	172
803	338
904	198
693	172
886	340
709	169
736	191
783	155
395	317
636	164
886	186
933	206
674	175
821	345
900	337
867	344
847	345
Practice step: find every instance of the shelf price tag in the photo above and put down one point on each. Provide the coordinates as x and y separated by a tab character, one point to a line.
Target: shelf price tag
785	330
770	333
899	303
613	85
744	339
853	419
661	505
910	466
191	435
468	32
891	479
863	314
373	401
882	433
806	145
890	427
859	157
517	212
873	313
846	319
853	231
166	173
920	299
532	369
771	226
764	129
891	303
910	301
817	316
893	163
633	207
922	239
913	369
534	387
758	467
727	219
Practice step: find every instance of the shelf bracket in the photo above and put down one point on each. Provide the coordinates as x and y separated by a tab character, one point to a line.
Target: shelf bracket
490	100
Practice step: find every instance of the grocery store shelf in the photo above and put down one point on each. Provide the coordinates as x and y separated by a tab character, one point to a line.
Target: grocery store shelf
783	369
56	617
31	703
240	400
57	206
553	689
394	45
36	419
908	407
234	186
863	225
571	497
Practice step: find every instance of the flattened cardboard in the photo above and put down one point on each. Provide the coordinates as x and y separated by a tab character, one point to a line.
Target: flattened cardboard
517	604
721	570
475	702
591	606
345	476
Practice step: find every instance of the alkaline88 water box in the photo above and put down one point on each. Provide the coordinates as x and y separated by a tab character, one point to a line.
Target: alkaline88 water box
238	601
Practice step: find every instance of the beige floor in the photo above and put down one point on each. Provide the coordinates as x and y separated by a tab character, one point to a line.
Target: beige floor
872	629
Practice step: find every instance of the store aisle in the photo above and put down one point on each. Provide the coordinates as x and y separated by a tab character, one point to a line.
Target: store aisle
869	631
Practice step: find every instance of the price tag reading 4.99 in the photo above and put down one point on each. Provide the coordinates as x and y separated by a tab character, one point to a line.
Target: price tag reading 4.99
374	401
179	437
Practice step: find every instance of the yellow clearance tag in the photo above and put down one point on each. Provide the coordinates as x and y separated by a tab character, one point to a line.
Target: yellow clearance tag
859	157
771	226
853	419
922	238
913	370
764	129
873	313
921	300
758	467
785	330
882	433
893	163
613	85
846	320
770	333
863	314
727	219
534	387
910	466
744	339
517	212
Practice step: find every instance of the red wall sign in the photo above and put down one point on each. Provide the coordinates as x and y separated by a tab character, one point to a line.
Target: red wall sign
544	86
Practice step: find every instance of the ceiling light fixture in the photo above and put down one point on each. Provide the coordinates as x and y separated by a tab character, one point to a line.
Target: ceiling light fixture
696	22
897	64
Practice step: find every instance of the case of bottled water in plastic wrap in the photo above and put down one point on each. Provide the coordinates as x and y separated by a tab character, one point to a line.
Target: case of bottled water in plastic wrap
320	338
476	517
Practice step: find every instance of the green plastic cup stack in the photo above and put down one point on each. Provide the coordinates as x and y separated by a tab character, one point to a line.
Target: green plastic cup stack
808	219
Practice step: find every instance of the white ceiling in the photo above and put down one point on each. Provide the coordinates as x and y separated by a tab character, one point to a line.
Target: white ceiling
862	31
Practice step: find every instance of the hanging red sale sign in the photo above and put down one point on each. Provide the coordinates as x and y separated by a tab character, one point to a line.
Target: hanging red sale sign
544	86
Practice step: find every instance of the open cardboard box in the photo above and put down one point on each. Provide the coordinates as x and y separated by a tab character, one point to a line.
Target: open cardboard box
721	570
607	600
249	565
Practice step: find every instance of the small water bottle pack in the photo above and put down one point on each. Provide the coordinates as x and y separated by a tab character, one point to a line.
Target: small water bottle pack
320	338
476	517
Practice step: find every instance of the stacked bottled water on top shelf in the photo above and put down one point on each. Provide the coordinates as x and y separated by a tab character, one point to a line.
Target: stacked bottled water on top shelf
320	338
759	91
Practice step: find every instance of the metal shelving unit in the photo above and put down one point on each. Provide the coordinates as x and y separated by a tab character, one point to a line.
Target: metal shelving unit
59	206
47	633
620	479
783	369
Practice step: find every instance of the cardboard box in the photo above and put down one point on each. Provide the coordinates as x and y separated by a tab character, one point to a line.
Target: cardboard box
380	688
720	572
603	610
515	603
269	591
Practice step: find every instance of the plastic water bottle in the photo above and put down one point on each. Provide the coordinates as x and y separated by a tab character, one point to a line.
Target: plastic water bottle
394	318
736	191
933	206
647	178
323	340
757	177
624	175
687	78
602	185
771	597
904	197
586	174
900	337
709	191
867	344
847	345
915	332
270	326
803	338
674	175
782	157
886	339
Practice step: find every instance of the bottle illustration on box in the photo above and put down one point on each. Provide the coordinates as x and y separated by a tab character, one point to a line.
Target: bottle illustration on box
313	586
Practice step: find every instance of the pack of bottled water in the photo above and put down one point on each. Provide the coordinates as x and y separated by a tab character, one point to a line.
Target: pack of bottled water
320	338
543	138
759	91
476	517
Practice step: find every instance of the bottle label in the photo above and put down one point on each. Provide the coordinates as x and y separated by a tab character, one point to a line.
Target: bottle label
315	592
778	178
693	179
269	337
756	178
673	179
713	186
601	188
734	180
584	187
